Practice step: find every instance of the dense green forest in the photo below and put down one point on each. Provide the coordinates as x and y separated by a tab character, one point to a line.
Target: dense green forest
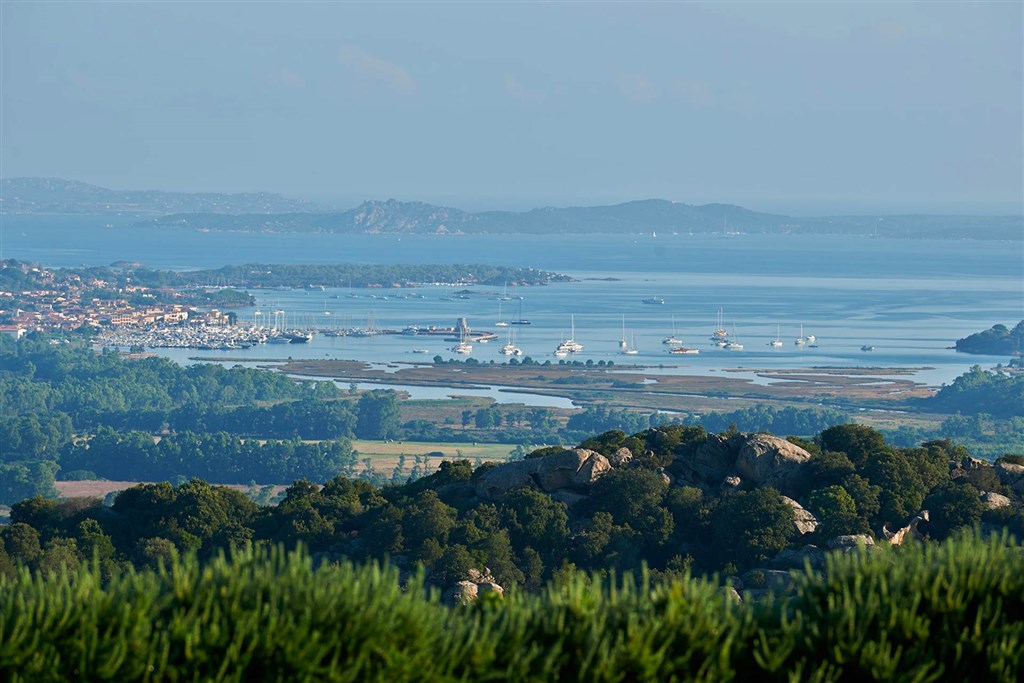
952	611
996	341
674	498
69	412
13	278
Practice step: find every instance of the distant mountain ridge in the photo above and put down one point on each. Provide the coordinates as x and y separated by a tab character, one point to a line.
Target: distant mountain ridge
57	195
264	212
643	216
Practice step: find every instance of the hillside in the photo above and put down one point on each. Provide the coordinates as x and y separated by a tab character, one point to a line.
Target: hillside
56	195
266	212
650	215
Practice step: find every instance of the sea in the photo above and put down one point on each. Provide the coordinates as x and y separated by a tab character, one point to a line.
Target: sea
908	299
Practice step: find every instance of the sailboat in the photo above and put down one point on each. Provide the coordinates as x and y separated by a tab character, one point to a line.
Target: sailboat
510	348
777	342
504	294
463	347
720	336
799	341
673	339
632	350
622	342
570	345
520	320
733	344
500	323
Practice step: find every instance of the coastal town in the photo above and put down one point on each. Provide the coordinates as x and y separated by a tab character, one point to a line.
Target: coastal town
35	299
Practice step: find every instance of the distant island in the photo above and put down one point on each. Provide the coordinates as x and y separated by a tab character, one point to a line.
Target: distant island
264	212
59	196
998	340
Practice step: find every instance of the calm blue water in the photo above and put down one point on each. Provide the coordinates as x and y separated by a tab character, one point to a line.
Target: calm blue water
909	298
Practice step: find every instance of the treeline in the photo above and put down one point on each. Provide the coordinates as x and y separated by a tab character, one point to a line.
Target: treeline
951	611
767	418
999	394
651	509
999	340
218	456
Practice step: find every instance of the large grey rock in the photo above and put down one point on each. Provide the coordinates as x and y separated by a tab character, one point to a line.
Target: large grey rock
795	558
620	457
771	579
850	542
994	500
909	532
1012	476
461	593
714	459
768	460
803	520
576	469
485	587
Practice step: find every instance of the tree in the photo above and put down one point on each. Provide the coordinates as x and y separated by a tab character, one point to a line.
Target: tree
952	506
378	415
836	512
856	441
749	527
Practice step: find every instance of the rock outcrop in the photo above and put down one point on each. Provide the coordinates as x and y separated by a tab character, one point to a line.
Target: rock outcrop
850	542
767	460
909	532
572	470
621	457
1012	476
476	584
795	558
803	520
994	501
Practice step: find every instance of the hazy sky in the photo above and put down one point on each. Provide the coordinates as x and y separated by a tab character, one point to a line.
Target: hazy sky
801	107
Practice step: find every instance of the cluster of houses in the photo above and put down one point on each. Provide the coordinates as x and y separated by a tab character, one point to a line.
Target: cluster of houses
70	302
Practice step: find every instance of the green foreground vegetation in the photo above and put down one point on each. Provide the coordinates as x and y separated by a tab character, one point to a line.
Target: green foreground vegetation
951	611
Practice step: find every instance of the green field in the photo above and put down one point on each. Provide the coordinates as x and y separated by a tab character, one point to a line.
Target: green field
384	455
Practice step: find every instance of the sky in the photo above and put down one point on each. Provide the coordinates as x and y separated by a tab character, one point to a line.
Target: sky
794	107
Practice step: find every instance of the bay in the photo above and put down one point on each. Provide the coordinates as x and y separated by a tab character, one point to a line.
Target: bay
910	299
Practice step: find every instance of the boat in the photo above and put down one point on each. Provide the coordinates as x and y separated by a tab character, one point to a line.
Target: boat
777	342
421	350
799	341
810	339
504	295
867	347
632	350
520	320
682	350
733	344
622	342
510	348
719	336
501	323
672	339
463	348
570	345
653	300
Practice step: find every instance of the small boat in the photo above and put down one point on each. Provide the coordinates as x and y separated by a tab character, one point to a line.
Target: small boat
632	350
653	300
570	345
501	322
777	342
867	347
799	341
733	344
421	350
672	339
520	320
719	336
622	342
682	350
